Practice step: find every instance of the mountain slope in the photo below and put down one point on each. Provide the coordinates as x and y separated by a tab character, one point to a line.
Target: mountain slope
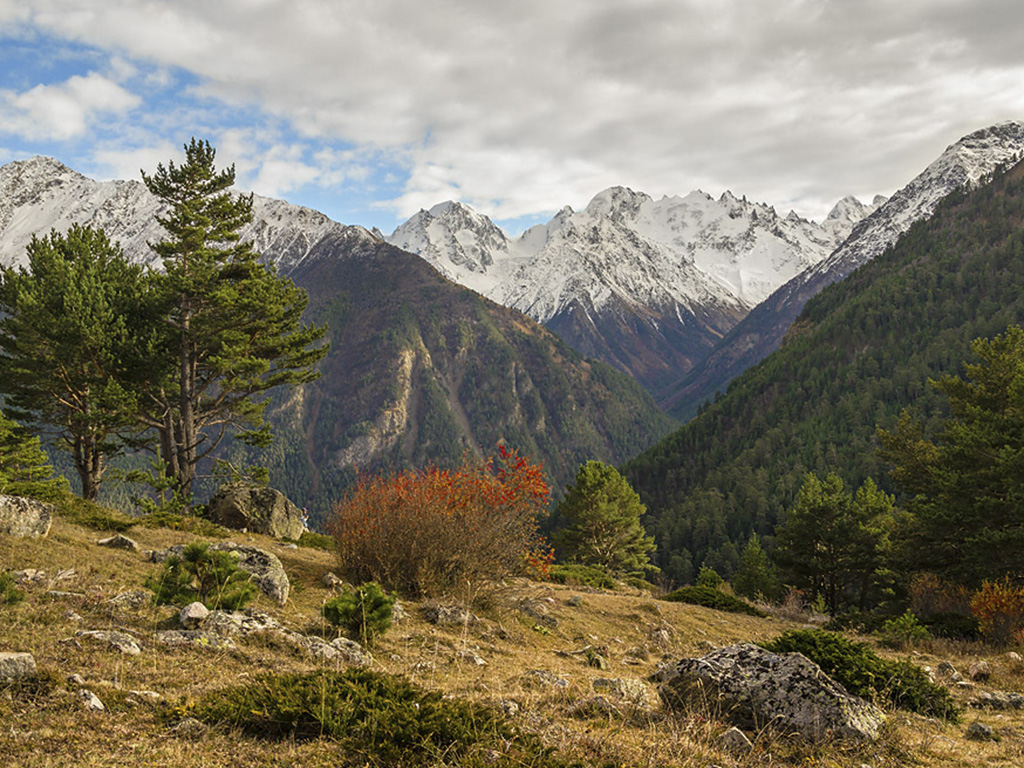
865	349
964	163
648	286
424	371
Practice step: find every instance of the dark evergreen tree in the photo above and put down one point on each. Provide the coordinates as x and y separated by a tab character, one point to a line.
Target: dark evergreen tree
24	468
233	327
835	544
74	338
603	515
965	486
756	576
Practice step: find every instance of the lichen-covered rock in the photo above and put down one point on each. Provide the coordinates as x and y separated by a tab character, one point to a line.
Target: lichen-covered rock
753	687
24	518
255	508
90	700
999	700
240	623
194	637
339	649
17	666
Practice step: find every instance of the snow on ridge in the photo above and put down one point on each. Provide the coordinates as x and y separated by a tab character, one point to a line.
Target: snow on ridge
625	247
41	194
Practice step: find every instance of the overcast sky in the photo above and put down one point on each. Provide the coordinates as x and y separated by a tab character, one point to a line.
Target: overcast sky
371	109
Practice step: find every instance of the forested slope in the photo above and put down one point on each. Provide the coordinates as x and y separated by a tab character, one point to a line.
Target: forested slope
859	353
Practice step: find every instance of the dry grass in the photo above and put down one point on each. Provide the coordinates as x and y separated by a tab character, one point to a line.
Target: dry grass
48	727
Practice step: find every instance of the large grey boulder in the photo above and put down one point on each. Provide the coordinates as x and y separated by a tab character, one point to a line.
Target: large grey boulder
24	518
751	687
257	509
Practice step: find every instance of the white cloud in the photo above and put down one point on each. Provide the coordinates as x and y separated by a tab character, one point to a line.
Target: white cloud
525	105
126	163
65	110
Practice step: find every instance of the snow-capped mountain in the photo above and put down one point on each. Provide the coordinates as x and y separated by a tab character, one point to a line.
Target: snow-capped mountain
41	194
648	285
964	163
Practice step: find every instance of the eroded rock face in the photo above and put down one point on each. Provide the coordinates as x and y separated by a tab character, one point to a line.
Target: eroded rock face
257	509
24	518
752	687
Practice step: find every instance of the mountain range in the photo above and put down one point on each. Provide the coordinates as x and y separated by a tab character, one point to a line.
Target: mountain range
646	285
420	370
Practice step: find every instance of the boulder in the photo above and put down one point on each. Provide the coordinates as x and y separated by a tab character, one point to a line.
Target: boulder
257	509
980	671
17	666
753	687
628	690
449	615
24	518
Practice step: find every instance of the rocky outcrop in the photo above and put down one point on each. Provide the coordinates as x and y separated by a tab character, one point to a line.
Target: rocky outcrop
753	687
246	507
24	518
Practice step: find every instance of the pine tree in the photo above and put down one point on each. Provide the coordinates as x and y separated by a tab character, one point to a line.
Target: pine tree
756	577
233	327
73	337
24	468
604	528
965	487
834	542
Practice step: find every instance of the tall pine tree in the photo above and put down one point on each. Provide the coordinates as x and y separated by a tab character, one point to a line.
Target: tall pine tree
233	328
74	337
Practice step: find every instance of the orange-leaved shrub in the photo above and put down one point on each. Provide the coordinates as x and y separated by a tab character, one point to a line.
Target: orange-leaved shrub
432	532
999	608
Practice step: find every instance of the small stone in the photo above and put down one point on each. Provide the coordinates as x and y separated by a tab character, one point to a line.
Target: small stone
979	732
735	741
398	613
149	697
449	616
90	700
120	641
472	658
544	678
119	542
508	707
980	671
76	679
575	601
631	691
946	669
1015	657
29	576
193	615
133	600
332	581
189	728
71	616
17	666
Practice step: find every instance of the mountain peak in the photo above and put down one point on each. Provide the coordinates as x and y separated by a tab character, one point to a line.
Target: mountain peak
621	200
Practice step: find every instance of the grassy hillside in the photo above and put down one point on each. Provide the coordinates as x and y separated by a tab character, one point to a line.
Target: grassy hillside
860	352
45	724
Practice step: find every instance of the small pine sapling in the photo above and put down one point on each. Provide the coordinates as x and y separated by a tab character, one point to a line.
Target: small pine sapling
213	578
364	612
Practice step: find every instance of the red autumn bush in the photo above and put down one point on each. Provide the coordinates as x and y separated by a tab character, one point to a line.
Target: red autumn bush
999	608
432	532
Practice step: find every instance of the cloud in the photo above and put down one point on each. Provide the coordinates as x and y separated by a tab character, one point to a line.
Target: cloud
525	105
65	110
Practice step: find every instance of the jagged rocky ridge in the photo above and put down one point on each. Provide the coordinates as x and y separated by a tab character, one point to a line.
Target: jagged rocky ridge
646	285
964	163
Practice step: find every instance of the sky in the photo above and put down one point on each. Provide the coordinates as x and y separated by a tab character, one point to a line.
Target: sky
369	110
